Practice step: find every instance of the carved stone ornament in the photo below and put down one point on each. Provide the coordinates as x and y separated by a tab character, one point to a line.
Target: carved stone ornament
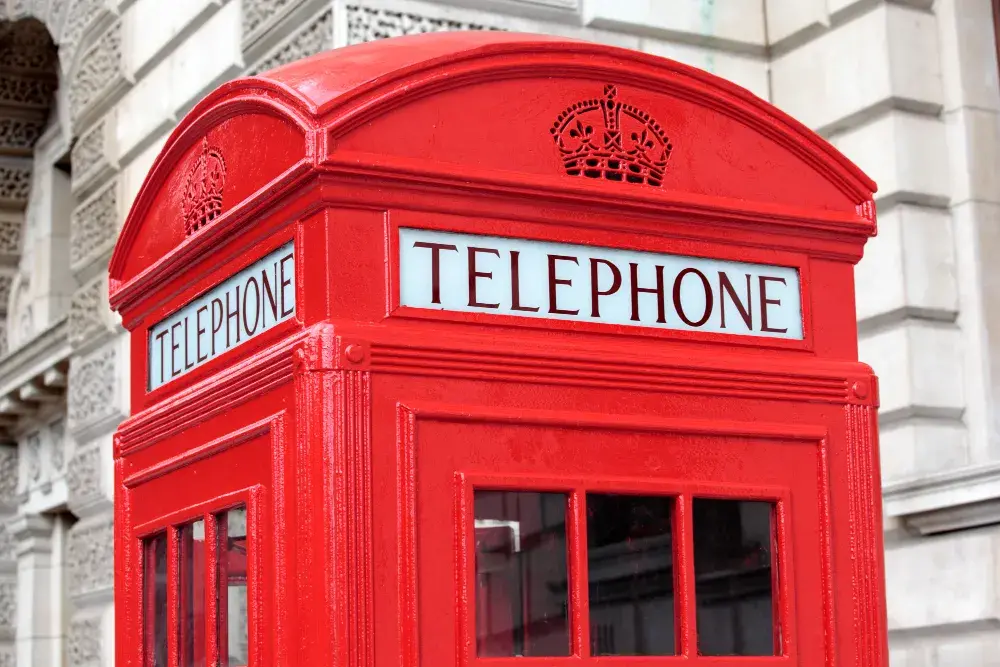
89	554
315	37
8	603
607	139
206	179
366	24
34	456
84	641
92	381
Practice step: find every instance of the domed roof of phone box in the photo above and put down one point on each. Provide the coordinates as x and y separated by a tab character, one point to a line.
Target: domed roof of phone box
497	111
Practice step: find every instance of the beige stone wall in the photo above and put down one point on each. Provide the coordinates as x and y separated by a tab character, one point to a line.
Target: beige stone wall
908	89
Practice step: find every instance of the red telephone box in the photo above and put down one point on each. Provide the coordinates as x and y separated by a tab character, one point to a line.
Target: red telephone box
491	349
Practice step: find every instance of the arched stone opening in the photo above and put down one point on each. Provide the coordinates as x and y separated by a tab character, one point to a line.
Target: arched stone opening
35	289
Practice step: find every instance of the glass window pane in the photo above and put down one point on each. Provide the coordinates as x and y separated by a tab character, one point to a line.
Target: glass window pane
234	647
522	594
191	595
734	571
631	574
154	600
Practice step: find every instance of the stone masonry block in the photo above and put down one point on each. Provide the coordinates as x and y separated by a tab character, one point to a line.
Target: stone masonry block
744	70
885	58
920	364
905	153
909	267
944	581
735	21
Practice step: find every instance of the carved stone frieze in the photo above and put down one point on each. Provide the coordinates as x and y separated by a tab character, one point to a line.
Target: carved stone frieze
92	381
57	430
10	236
6	540
87	312
90	155
15	185
83	644
8	473
315	37
80	14
6	280
90	557
256	12
366	24
83	479
18	135
100	70
26	91
8	603
34	451
27	47
94	226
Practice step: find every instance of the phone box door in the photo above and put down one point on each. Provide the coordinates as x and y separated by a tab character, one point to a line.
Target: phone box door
656	538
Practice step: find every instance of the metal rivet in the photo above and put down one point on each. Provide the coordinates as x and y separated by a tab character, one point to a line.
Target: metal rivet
354	354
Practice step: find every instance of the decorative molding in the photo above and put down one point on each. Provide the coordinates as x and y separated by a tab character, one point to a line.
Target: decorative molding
563	367
90	557
968	497
352	502
100	77
88	322
36	358
195	404
94	227
366	24
315	37
865	509
83	643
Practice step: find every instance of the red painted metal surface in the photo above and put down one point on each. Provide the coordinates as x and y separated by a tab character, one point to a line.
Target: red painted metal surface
355	432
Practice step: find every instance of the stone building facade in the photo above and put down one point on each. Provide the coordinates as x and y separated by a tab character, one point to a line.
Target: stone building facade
89	90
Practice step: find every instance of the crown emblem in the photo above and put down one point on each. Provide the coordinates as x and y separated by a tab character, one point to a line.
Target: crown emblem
605	138
202	201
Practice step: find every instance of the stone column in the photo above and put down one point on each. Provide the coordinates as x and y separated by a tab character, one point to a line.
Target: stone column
39	601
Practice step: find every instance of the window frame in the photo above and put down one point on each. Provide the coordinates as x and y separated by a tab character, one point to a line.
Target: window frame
685	607
253	498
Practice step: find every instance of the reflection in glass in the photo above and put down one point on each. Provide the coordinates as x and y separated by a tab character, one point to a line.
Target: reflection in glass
522	598
154	600
232	594
191	595
630	569
733	556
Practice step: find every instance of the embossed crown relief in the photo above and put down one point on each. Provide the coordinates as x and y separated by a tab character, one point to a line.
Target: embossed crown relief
202	202
606	138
